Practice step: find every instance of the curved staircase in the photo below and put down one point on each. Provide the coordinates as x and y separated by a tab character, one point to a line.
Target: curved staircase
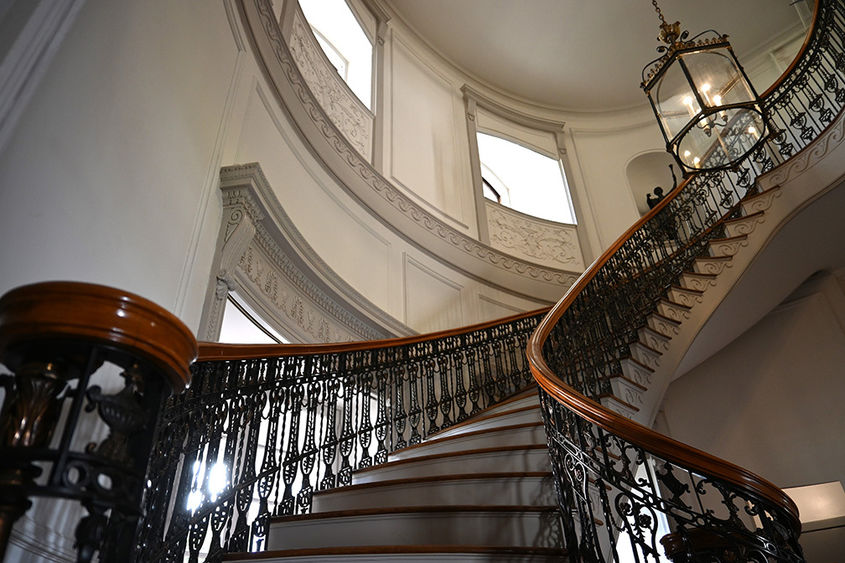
397	450
478	491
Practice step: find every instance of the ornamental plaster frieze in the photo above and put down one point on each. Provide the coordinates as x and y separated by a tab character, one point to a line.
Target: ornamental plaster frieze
263	274
263	255
337	100
385	201
545	242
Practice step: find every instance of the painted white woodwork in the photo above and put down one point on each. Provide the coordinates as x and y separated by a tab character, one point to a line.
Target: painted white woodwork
428	141
415	528
544	242
460	463
485	421
432	300
420	556
468	490
523	434
531	399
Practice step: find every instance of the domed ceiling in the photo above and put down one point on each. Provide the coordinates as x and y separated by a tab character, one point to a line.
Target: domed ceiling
584	55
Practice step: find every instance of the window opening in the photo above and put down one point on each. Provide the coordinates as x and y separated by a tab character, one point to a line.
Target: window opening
343	40
524	179
242	325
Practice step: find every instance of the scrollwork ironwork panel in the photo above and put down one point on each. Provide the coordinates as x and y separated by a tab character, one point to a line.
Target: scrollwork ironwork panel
255	439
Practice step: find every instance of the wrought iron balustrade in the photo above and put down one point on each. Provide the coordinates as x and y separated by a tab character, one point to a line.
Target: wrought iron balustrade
626	487
261	429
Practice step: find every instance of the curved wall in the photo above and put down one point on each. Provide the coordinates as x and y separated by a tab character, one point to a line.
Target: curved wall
111	174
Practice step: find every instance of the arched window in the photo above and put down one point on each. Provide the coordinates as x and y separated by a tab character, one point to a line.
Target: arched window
524	179
342	37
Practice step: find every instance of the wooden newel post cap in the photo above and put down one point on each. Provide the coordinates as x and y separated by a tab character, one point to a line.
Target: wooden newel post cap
76	311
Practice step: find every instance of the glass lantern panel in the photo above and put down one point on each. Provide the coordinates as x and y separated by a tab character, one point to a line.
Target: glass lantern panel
674	100
721	138
717	77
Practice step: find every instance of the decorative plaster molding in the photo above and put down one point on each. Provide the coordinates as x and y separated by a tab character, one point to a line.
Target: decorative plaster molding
337	100
511	114
262	252
387	192
544	242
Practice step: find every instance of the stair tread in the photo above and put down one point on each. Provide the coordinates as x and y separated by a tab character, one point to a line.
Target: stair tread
743	218
687	289
670	302
642	344
714	259
699	275
729	239
397	549
430	441
618	400
478	417
434	479
629	380
414	510
665	318
445	455
639	363
651	330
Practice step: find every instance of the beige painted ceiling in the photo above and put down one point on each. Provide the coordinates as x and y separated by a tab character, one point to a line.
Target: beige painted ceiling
581	55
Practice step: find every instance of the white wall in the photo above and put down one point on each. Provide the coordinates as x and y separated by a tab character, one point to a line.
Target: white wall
105	176
771	401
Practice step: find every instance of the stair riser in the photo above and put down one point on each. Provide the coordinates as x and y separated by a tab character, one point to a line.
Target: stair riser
444	528
493	491
644	355
698	283
518	460
626	391
516	437
743	225
672	311
683	297
663	326
521	417
654	340
412	557
531	401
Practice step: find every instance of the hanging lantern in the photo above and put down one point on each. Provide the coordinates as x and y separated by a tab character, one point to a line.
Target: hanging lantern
706	107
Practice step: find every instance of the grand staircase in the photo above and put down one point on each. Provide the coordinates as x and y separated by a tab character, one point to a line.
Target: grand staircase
478	491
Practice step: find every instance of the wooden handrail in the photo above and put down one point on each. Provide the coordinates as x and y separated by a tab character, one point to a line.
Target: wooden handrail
73	310
652	441
209	351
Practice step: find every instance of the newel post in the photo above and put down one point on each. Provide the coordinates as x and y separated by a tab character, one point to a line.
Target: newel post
54	336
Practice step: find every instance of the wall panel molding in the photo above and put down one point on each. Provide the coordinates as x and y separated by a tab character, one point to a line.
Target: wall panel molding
387	203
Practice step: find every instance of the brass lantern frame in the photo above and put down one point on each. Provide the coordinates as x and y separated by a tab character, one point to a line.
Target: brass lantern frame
678	47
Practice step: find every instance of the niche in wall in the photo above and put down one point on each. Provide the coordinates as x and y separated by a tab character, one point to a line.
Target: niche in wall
647	171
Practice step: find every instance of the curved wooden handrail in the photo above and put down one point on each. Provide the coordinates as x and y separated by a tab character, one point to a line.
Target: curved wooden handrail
63	310
656	443
216	351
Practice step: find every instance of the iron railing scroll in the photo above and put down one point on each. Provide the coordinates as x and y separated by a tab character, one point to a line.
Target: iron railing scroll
65	344
633	494
261	429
